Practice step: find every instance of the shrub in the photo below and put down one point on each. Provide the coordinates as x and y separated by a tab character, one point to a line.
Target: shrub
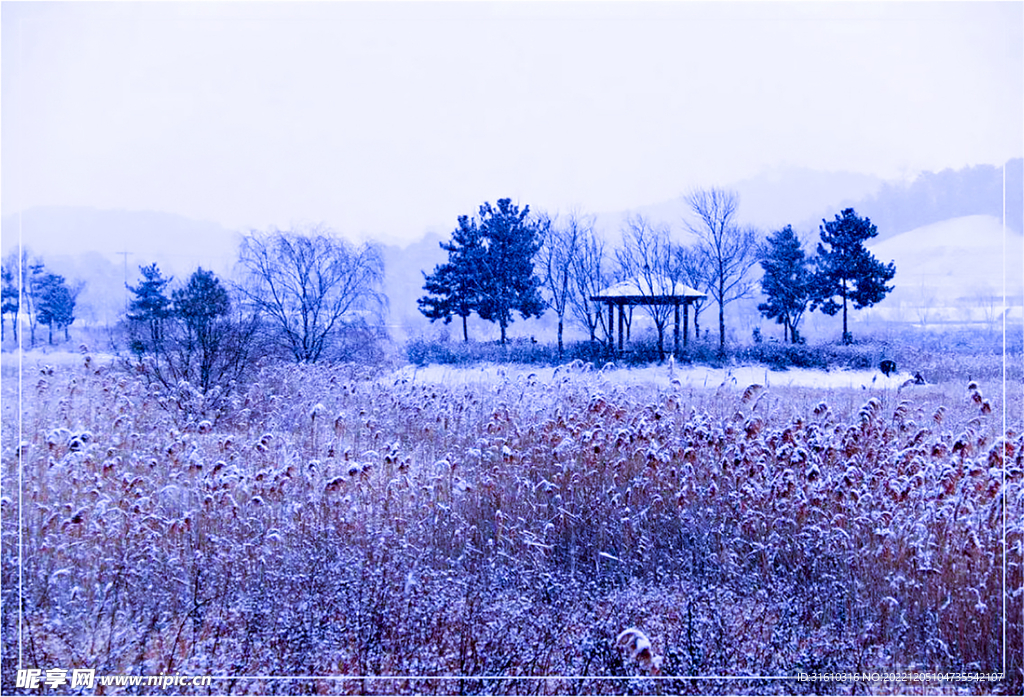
525	351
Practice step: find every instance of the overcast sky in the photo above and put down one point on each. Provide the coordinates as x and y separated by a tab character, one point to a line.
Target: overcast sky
388	119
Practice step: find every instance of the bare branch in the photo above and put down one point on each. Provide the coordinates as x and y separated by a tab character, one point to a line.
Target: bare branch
646	256
310	283
589	273
727	250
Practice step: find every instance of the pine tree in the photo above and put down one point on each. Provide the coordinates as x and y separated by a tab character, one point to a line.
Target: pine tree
489	269
847	270
10	301
507	283
196	337
150	307
56	306
32	287
786	281
199	306
454	285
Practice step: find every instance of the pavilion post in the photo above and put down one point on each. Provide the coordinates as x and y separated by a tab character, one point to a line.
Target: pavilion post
622	308
686	324
611	326
675	334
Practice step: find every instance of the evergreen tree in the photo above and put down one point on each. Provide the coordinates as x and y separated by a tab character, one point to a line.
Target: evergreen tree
489	269
199	306
9	298
847	270
453	286
56	306
33	284
507	283
25	282
786	281
194	338
150	307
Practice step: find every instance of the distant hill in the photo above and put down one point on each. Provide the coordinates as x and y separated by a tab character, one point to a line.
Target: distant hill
952	272
403	271
770	200
932	197
176	243
802	198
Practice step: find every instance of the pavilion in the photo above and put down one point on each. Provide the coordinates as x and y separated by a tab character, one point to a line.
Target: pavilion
644	291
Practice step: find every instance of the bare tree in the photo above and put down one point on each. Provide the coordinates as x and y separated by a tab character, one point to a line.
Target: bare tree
557	259
728	251
646	256
694	273
589	275
308	283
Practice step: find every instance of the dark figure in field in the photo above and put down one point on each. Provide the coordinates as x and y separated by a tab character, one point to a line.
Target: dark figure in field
918	379
887	366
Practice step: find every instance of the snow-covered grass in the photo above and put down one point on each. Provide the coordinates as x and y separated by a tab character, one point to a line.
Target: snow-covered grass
501	525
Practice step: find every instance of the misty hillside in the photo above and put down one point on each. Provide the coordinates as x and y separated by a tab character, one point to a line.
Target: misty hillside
932	197
404	268
952	217
952	272
176	243
770	200
802	198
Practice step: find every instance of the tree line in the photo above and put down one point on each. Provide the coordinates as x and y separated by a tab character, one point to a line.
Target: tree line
300	294
935	196
28	289
500	261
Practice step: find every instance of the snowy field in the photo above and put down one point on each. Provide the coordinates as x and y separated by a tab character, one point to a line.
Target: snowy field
39	358
739	377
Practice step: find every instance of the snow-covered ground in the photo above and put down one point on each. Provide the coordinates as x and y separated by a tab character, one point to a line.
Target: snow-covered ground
686	376
38	358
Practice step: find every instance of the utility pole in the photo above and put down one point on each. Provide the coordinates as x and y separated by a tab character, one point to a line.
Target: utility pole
125	255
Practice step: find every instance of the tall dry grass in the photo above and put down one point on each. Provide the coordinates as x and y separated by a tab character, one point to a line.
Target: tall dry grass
346	524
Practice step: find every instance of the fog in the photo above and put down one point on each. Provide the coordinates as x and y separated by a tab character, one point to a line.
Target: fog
386	121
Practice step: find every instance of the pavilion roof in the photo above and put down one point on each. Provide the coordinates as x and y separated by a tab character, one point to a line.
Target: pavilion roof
658	289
